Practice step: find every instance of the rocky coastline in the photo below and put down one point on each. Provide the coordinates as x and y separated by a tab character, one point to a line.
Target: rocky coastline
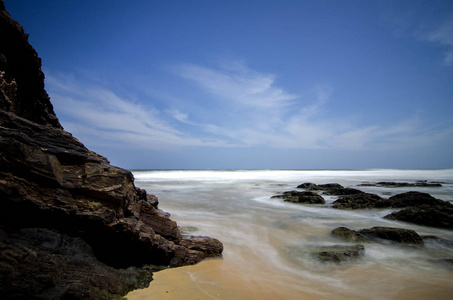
72	226
415	207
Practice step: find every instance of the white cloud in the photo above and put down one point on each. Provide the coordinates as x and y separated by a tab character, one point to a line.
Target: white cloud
101	117
237	83
178	115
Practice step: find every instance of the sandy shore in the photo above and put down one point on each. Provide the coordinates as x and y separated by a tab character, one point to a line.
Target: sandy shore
216	279
213	279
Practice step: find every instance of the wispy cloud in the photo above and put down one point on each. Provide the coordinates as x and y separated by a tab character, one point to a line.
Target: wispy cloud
444	35
99	115
265	116
237	83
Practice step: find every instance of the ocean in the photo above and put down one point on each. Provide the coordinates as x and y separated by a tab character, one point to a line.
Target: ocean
265	239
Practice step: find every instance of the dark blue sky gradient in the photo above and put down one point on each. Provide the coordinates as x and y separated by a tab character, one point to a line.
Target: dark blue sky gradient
250	84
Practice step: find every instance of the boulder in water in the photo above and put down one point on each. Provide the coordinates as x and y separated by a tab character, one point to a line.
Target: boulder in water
349	235
308	186
330	186
436	216
339	253
391	184
342	191
396	235
302	197
357	201
411	199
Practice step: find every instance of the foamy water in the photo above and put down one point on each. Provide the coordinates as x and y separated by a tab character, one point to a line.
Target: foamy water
266	240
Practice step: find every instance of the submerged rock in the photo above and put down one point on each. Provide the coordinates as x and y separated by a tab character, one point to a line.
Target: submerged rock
329	188
308	186
446	263
411	199
436	215
349	235
396	235
392	184
302	197
367	200
279	225
357	201
339	253
435	240
342	191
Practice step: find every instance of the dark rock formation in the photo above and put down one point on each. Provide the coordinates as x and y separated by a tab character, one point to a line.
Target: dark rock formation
392	184
74	199
207	245
397	235
301	197
43	264
308	186
367	200
329	188
339	253
435	215
342	191
420	208
357	201
349	235
21	78
411	199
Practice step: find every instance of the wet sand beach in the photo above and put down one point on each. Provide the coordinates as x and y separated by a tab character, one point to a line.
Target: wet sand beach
215	279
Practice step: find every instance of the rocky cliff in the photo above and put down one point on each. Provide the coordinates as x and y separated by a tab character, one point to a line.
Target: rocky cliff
72	226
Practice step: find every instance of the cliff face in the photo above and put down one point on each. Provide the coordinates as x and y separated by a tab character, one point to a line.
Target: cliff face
65	212
22	67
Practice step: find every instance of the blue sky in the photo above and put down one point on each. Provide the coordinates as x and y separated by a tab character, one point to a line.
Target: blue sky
250	84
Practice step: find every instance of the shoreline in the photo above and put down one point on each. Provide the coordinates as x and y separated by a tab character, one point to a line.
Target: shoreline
211	279
265	240
217	279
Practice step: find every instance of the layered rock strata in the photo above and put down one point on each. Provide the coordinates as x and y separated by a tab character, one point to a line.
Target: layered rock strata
55	193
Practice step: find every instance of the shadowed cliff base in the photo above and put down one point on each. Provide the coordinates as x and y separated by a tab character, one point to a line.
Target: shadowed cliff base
70	223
